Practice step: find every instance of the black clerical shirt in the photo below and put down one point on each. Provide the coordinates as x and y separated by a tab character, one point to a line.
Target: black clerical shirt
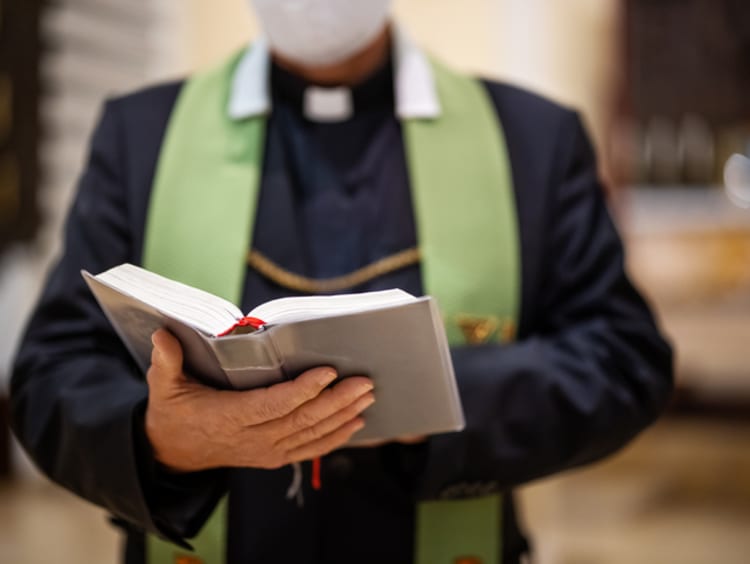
334	195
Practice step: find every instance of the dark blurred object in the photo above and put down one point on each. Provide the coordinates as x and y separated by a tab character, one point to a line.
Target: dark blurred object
690	402
689	56
19	124
4	438
686	88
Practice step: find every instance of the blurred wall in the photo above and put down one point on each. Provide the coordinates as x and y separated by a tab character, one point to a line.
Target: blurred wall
459	31
93	49
565	50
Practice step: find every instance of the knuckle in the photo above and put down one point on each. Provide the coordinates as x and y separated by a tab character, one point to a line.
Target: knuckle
262	412
151	376
278	401
266	408
302	395
308	435
303	420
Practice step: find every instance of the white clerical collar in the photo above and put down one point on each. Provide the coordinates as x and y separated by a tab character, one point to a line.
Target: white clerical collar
415	92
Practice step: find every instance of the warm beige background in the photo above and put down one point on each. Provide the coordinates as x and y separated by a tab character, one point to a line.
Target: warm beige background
561	49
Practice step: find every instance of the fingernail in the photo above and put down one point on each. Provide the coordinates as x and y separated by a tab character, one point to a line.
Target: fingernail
327	376
364	388
359	425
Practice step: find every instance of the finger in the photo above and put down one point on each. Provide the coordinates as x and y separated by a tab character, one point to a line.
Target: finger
331	401
326	444
277	401
411	439
166	360
327	425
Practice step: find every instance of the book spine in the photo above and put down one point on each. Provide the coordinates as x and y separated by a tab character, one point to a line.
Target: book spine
249	361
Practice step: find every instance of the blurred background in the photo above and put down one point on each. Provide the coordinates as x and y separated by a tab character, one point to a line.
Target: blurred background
664	87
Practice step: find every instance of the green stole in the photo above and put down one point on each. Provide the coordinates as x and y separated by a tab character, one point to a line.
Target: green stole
200	223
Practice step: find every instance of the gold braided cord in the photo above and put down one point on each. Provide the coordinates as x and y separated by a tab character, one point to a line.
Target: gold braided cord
292	281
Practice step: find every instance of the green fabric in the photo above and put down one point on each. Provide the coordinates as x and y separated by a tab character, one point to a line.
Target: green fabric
464	205
468	238
209	545
460	528
204	196
200	224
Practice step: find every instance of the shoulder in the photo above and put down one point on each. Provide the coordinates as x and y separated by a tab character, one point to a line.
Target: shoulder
151	101
534	126
544	138
127	143
141	114
509	97
135	124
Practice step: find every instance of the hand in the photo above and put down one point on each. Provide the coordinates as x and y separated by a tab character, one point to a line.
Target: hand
194	427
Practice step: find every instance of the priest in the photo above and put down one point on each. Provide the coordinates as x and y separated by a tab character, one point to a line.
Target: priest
333	155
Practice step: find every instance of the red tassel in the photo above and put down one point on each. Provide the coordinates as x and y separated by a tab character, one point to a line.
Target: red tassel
316	481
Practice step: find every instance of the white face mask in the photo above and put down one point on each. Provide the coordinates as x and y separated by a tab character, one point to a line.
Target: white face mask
321	32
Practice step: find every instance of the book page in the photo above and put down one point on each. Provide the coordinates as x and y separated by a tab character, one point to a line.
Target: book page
300	308
197	308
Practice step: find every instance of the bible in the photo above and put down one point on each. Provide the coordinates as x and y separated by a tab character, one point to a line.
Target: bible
396	339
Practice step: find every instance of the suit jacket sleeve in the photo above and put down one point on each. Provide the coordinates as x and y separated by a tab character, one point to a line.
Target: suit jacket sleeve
78	399
590	368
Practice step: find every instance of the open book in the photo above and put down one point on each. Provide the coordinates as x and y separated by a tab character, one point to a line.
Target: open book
396	339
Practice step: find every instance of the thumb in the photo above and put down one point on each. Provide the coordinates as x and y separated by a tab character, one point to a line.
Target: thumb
166	358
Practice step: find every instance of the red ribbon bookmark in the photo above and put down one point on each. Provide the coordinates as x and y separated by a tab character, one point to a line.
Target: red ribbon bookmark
315	479
247	321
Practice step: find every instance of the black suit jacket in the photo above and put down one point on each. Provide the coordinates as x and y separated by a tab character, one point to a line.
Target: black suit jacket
589	370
